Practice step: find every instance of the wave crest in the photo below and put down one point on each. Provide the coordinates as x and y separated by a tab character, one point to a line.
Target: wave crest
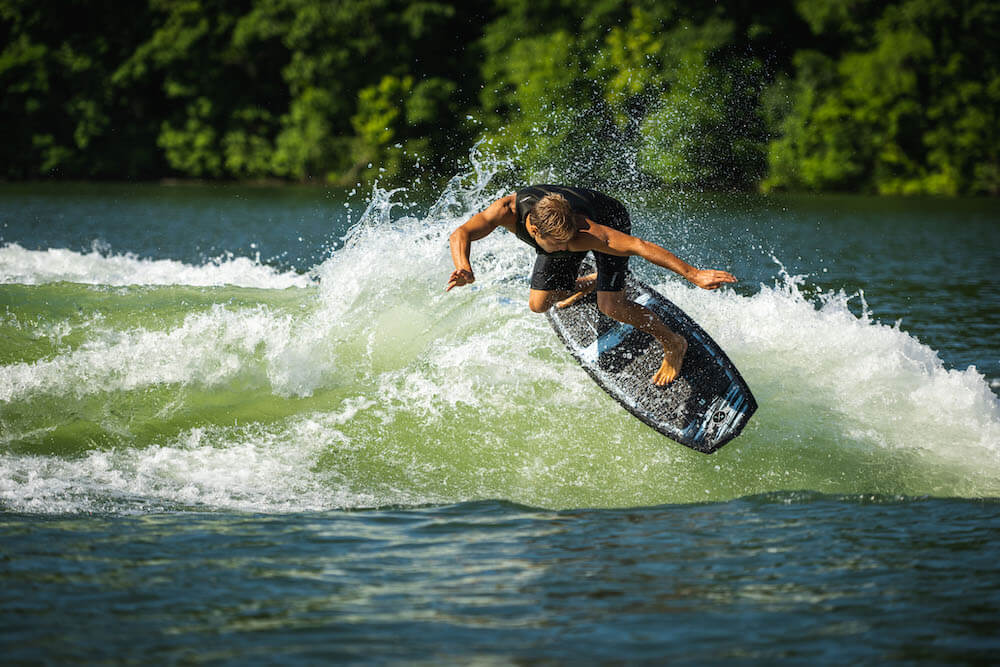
101	266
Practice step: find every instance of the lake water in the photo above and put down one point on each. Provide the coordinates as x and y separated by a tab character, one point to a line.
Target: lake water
247	425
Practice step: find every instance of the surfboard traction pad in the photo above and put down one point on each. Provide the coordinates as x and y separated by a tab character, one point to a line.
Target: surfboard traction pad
705	407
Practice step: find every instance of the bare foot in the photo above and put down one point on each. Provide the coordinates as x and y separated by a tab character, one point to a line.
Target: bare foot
674	349
584	285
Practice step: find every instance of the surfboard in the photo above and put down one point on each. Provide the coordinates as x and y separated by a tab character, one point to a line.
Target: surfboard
705	407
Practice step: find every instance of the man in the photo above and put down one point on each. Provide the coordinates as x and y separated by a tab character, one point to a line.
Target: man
563	224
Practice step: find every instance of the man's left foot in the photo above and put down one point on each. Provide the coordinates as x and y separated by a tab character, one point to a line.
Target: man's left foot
584	286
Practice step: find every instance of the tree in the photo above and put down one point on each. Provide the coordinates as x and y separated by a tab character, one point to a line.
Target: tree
911	107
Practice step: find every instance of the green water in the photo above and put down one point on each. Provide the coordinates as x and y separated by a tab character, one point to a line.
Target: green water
248	425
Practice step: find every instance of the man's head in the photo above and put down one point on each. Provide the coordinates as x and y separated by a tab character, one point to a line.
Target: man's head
552	218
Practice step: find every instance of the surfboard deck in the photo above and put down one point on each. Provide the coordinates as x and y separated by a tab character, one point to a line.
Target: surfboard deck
704	408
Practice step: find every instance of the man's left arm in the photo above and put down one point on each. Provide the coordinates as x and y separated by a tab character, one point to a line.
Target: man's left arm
613	242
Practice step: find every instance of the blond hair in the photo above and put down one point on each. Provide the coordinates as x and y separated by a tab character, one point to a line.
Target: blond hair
553	217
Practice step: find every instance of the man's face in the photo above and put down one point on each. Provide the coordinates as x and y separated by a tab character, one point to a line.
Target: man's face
549	244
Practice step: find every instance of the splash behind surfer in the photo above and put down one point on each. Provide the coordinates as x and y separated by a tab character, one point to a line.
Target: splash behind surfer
563	224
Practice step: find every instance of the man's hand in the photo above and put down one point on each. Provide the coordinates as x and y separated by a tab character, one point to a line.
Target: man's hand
460	277
711	278
502	212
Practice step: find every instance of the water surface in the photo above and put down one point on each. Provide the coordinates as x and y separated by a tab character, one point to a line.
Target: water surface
242	424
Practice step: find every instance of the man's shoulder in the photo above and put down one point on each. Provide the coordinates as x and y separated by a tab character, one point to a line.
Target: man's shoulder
502	211
506	204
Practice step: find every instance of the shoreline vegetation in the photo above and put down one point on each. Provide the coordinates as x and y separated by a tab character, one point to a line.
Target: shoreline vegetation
892	98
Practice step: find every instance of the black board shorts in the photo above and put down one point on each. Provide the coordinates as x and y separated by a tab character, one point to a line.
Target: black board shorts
558	270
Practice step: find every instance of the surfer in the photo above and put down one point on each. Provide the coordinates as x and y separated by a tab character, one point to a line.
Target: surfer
563	224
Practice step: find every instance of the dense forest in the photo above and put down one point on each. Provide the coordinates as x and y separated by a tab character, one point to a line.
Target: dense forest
855	95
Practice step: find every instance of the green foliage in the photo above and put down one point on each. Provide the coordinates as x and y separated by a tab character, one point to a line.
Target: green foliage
685	135
59	114
348	78
656	95
193	148
907	109
892	97
545	108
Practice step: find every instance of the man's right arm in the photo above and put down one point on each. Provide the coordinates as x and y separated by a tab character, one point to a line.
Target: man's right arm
499	213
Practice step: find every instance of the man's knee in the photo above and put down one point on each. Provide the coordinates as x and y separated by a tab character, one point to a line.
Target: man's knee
539	302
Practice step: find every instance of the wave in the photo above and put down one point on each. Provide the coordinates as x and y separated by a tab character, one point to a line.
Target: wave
375	387
101	267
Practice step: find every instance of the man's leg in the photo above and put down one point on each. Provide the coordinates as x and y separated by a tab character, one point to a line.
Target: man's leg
553	279
616	306
584	286
541	300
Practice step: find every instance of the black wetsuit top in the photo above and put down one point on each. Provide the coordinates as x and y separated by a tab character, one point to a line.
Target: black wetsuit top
597	206
558	270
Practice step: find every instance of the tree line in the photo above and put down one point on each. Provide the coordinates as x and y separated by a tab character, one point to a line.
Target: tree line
894	97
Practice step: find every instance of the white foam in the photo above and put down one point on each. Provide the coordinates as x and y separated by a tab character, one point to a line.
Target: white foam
208	348
100	267
466	394
872	378
251	468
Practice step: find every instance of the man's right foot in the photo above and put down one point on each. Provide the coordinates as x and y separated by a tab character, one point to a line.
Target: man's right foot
673	357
